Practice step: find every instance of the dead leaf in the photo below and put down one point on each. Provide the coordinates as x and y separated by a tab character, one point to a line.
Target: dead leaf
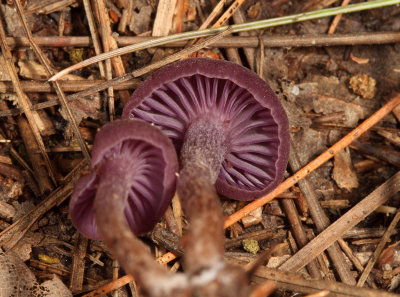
15	277
55	288
36	71
82	108
140	21
352	112
343	171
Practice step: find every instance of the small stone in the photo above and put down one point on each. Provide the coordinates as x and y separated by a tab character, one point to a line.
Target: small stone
251	246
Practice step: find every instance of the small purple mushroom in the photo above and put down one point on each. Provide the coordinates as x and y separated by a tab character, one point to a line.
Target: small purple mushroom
232	134
133	180
133	163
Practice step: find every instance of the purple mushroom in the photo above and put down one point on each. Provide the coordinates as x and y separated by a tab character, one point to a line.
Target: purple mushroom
230	112
133	180
232	134
137	164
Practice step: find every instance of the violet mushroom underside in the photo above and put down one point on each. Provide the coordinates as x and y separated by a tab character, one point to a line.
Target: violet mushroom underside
229	97
150	163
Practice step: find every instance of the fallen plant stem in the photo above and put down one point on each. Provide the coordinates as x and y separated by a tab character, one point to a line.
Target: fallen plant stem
306	40
66	85
299	233
125	78
236	28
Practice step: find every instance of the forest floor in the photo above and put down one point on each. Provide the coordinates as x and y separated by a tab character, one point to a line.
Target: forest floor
328	84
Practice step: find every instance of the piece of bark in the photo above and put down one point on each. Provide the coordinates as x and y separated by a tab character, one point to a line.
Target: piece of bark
253	218
10	189
343	171
7	211
352	112
41	173
382	152
163	20
393	137
109	43
78	264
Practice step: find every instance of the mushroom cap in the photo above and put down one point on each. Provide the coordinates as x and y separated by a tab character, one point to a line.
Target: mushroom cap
152	180
256	123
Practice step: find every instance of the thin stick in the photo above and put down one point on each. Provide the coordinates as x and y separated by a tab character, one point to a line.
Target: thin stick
378	250
109	44
226	42
107	288
317	162
337	18
33	86
228	13
236	28
93	33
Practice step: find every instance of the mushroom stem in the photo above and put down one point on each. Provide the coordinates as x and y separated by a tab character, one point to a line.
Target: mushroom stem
133	255
202	153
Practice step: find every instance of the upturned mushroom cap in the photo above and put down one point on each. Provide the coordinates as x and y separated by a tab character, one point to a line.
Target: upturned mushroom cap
152	165
254	120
